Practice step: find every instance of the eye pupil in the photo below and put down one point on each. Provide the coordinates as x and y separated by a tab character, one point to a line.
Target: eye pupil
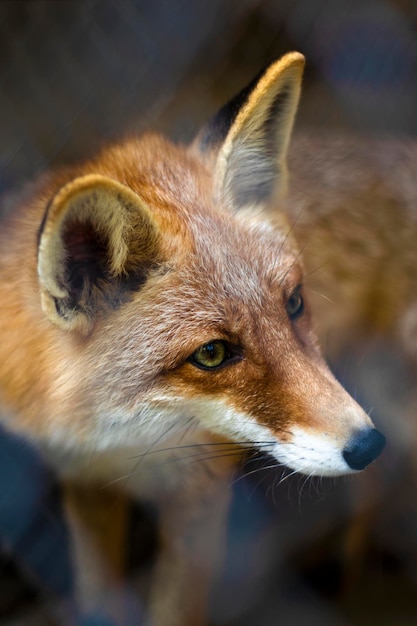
212	352
295	304
210	355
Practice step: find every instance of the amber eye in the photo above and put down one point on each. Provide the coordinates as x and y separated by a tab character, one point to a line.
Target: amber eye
211	355
295	304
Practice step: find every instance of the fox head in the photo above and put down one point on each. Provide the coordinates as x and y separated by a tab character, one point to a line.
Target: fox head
175	293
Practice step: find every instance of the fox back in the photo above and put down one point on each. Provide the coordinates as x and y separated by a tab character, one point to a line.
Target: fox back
357	227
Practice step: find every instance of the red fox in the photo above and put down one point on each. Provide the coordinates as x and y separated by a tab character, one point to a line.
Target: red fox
153	297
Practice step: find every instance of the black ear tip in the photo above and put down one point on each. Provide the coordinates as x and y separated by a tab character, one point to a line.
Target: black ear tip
216	130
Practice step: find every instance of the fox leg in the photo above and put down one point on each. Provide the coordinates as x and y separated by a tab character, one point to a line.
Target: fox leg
192	545
98	524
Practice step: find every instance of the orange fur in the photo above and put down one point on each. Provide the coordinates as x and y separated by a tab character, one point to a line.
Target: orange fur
120	268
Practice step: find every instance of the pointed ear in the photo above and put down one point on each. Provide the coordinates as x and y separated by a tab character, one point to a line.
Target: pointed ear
97	242
250	135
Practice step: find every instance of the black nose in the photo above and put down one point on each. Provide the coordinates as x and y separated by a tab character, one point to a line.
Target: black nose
363	448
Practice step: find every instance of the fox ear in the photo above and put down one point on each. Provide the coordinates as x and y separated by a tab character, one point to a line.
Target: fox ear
250	135
97	241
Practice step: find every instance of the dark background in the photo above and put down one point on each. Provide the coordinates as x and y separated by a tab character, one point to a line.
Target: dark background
75	74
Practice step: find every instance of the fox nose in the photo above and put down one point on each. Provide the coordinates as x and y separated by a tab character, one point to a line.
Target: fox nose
363	448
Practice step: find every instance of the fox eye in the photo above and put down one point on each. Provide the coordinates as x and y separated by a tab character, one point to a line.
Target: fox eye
295	304
212	355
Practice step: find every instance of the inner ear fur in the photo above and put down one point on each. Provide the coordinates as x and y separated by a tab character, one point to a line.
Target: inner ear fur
250	135
98	240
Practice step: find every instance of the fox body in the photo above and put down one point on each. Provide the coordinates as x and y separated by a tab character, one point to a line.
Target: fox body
153	296
357	226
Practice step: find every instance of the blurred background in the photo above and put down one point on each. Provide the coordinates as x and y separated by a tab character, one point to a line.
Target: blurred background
75	74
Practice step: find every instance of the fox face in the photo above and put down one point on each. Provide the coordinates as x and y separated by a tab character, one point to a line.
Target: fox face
169	292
